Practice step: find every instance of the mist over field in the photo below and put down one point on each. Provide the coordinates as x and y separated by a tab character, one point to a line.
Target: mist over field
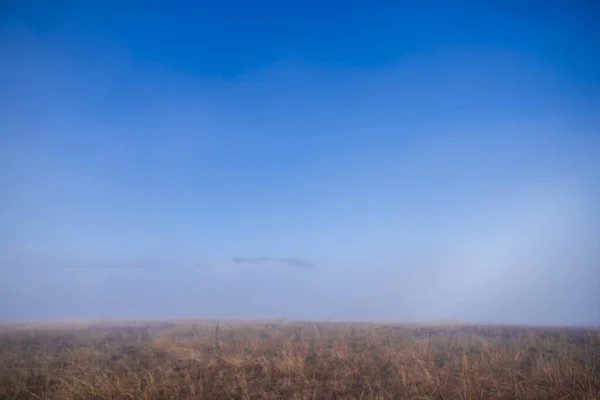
433	165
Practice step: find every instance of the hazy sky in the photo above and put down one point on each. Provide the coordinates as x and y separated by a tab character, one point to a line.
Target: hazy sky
310	160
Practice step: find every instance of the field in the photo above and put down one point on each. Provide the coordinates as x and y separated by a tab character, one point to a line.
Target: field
293	360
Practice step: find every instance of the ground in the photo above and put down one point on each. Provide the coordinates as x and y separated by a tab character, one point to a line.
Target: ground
295	360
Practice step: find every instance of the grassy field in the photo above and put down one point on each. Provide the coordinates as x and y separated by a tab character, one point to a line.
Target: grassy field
292	360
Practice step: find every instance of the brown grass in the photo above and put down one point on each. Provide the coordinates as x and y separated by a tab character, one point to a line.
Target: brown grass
286	360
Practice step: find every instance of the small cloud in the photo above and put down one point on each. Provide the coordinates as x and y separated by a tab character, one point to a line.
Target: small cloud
294	262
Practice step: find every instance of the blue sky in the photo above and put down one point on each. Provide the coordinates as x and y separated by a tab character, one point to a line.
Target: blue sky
437	161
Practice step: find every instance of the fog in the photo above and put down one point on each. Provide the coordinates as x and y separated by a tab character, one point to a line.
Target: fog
459	181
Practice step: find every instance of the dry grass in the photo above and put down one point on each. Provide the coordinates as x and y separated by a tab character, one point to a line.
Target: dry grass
266	360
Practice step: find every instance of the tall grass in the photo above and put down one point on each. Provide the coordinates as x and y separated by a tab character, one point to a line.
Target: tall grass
243	360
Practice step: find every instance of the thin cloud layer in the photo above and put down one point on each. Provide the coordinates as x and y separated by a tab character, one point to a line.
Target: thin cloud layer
294	262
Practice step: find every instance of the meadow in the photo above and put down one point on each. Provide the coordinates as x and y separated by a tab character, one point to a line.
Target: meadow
295	360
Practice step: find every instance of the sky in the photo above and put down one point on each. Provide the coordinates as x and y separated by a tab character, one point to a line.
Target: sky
405	161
